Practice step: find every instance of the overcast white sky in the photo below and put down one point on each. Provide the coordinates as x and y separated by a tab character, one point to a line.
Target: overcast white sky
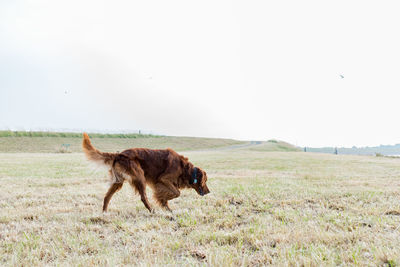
251	70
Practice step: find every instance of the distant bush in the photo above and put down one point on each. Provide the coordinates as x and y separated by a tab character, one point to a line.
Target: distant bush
73	135
379	155
5	133
272	141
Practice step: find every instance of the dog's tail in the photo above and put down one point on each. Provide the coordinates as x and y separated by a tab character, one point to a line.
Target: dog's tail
95	155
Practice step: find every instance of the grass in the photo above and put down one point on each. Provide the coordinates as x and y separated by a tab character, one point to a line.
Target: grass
58	144
274	145
277	208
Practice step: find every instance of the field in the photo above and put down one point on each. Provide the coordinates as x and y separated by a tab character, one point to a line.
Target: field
265	208
71	142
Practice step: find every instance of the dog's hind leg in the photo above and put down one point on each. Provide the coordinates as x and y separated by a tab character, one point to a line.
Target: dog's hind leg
113	188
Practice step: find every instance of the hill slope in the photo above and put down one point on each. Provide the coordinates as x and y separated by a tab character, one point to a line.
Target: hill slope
73	144
274	145
53	142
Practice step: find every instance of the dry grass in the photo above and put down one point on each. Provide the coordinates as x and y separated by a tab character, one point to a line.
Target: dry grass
55	144
265	208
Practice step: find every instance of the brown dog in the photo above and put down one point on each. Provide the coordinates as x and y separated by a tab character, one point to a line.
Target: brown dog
164	170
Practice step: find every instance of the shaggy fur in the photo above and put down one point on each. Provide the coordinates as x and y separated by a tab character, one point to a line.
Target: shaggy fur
164	170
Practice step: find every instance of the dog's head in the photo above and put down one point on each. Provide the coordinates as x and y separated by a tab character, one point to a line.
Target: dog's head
198	180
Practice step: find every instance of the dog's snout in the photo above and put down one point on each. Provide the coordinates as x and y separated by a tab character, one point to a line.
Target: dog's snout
206	191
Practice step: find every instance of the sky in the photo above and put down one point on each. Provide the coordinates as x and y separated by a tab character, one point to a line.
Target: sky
312	73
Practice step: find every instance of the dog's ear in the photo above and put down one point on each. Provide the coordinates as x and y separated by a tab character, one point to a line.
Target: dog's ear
193	176
199	176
